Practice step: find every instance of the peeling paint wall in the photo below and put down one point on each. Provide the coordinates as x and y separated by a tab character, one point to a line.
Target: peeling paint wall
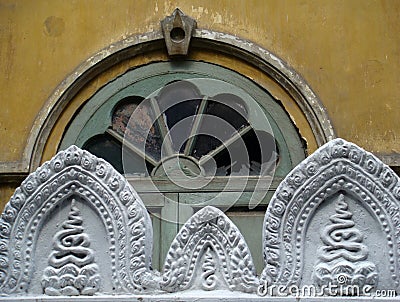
347	51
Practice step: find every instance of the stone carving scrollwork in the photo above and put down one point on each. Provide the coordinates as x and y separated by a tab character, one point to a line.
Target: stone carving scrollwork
342	260
209	243
334	219
338	167
75	173
208	275
72	270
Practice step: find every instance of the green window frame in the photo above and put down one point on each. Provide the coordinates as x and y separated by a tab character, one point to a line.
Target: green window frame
168	202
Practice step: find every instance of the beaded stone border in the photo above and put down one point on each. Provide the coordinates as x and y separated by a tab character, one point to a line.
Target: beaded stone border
75	172
336	166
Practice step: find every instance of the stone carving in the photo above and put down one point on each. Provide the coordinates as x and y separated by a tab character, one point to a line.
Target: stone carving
209	244
340	184
120	214
338	167
342	260
72	270
208	267
177	30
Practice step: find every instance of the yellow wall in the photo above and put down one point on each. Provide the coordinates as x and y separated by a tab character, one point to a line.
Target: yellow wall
348	52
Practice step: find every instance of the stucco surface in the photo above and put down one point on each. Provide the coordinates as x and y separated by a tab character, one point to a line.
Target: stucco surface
347	51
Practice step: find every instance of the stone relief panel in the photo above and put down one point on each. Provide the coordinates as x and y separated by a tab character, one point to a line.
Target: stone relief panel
334	220
209	253
72	270
114	223
75	227
343	257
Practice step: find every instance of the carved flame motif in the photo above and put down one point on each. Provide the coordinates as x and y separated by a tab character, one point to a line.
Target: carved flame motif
208	275
71	269
343	258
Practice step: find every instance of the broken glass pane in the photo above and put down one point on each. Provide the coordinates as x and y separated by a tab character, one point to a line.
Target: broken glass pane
222	162
123	112
204	144
263	152
229	107
141	130
179	102
224	116
108	148
255	153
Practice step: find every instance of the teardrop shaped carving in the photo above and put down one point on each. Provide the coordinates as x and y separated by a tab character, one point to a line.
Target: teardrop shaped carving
209	243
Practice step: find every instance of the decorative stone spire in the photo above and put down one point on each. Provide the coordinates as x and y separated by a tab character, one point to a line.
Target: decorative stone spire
71	270
342	260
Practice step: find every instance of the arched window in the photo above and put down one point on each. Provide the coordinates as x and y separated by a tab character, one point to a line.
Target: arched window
198	129
189	134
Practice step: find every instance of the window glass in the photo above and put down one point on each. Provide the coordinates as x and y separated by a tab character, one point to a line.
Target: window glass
190	134
217	123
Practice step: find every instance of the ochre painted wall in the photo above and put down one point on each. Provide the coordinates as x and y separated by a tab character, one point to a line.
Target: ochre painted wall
348	52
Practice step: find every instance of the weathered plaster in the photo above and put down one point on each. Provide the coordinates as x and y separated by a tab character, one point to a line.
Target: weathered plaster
356	78
322	42
291	81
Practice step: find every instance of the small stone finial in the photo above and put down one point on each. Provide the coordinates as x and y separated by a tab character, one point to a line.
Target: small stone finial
177	30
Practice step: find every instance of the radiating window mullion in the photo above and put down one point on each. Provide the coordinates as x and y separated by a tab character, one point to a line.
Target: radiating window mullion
196	125
225	145
162	126
132	147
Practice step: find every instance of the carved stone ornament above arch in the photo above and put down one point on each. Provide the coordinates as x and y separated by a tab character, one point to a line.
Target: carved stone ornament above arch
335	219
209	253
106	241
202	39
75	227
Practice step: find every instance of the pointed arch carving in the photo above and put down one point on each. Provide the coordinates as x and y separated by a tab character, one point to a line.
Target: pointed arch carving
76	173
338	167
209	242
